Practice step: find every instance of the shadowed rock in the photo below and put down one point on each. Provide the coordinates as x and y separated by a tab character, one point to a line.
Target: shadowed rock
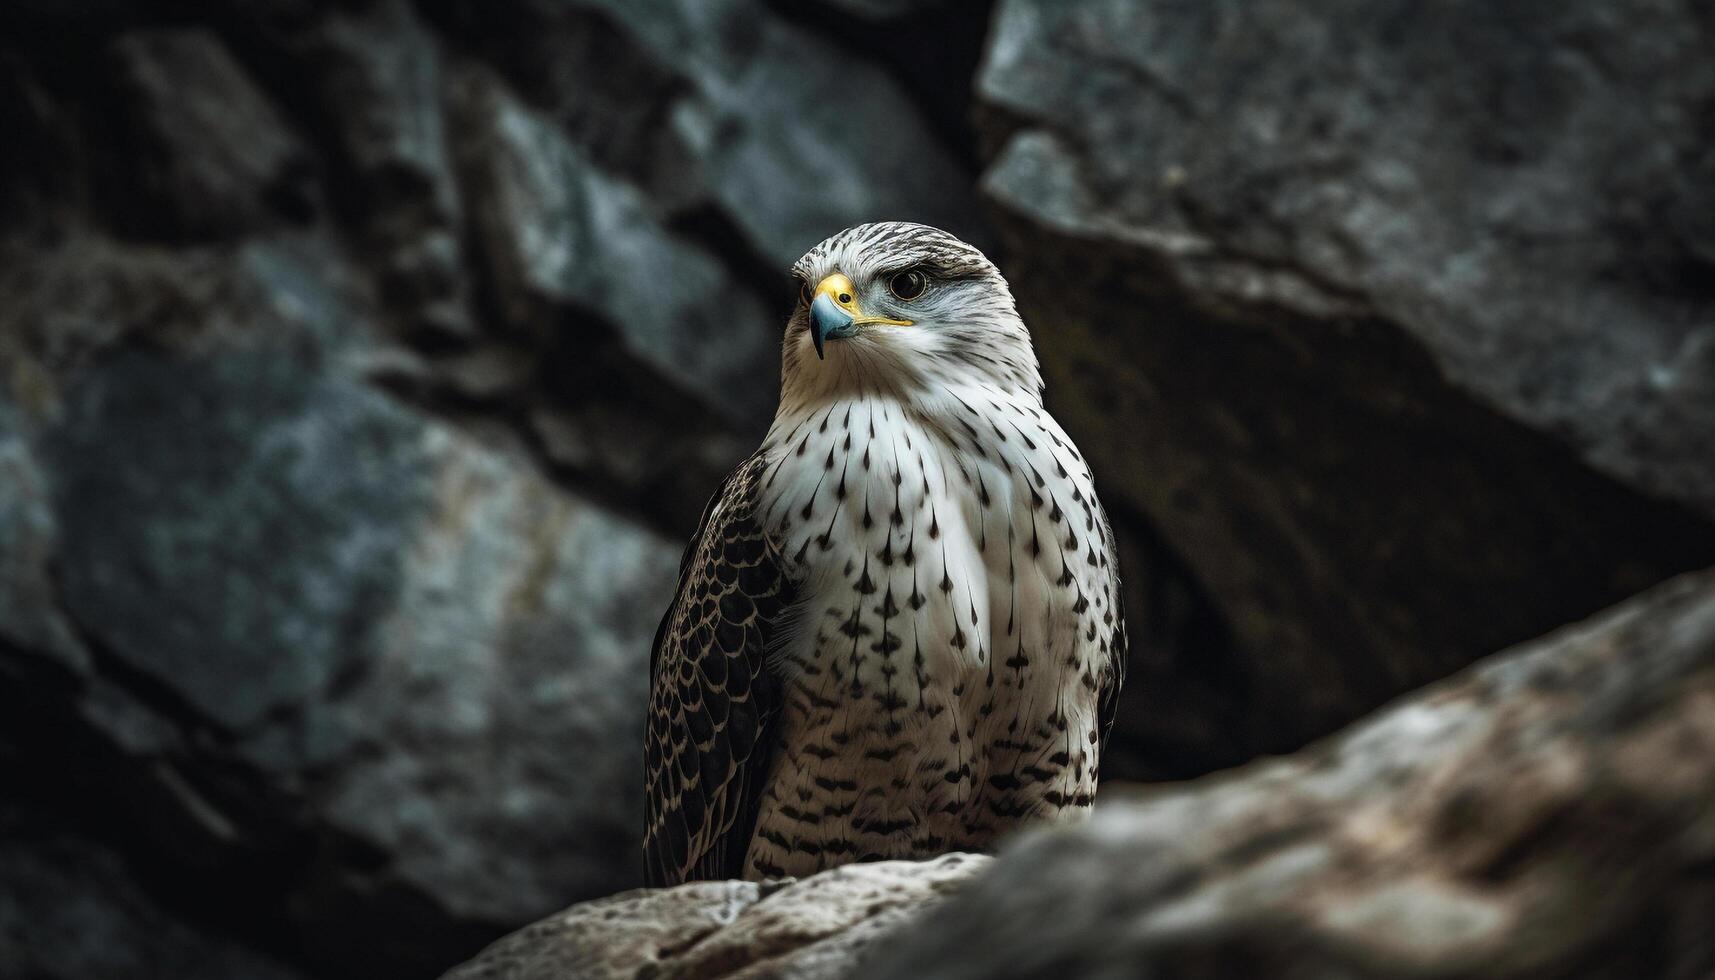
1549	813
364	365
1411	341
310	648
810	928
205	153
69	908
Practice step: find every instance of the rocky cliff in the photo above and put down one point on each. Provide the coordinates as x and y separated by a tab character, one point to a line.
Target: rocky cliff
363	366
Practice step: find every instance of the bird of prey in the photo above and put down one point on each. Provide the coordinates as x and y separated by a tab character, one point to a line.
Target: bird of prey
897	630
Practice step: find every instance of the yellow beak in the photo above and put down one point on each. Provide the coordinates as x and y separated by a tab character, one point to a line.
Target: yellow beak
834	311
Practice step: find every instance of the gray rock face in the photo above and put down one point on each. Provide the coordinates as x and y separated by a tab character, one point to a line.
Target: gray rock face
1392	296
814	928
727	115
71	909
570	245
518	633
845	161
358	386
205	145
374	77
298	624
881	10
28	537
1492	218
219	535
363	367
1550	813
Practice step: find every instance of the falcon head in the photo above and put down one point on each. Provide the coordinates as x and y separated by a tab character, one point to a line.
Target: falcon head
902	308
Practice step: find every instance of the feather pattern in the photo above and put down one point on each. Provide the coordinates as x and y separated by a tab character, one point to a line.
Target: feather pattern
934	642
713	702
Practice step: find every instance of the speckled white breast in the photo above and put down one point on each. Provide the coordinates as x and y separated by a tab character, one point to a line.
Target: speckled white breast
957	598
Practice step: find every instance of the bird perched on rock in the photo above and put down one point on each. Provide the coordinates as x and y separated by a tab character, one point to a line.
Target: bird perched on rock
897	630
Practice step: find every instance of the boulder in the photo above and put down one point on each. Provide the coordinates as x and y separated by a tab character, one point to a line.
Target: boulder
1548	813
1391	319
369	676
364	366
803	929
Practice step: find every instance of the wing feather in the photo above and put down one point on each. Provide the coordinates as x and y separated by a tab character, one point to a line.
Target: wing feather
713	699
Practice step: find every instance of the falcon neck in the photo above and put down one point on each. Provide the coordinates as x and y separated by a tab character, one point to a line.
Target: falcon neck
946	414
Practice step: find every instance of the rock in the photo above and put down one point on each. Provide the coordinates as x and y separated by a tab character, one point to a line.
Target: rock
567	244
787	189
754	130
882	10
668	468
28	538
174	478
418	636
589	75
375	76
930	48
70	908
817	927
207	156
1549	813
506	778
368	676
613	937
363	367
1546	813
1377	314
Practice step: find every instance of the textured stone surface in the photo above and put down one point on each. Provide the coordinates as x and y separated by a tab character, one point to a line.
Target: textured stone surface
569	244
724	111
1380	313
358	672
1542	240
374	78
69	908
816	927
1549	813
364	365
205	146
219	536
28	537
358	385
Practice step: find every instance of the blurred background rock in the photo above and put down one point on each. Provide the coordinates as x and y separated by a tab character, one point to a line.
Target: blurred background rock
364	365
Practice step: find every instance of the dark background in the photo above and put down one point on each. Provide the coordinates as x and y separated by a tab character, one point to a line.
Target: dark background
363	367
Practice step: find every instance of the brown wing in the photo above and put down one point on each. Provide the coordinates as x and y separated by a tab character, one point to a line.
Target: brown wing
713	699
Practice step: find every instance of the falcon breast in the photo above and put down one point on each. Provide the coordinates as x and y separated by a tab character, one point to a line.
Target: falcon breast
897	630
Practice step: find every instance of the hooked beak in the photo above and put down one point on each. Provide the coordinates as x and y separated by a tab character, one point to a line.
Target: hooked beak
834	312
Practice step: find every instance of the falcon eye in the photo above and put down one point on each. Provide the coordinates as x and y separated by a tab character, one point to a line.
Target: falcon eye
908	284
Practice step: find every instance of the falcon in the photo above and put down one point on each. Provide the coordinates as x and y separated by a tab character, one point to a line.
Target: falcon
897	630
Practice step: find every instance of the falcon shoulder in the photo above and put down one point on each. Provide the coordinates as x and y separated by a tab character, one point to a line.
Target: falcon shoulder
713	698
